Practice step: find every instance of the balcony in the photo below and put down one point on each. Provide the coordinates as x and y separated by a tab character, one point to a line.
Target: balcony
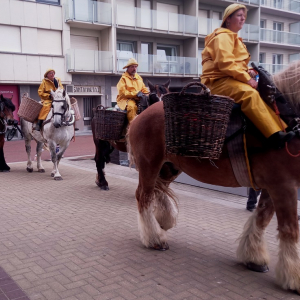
88	11
279	37
89	61
273	68
250	33
153	20
286	5
207	26
160	65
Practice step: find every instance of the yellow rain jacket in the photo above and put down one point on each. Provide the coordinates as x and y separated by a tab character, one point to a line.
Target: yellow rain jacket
128	88
44	92
225	71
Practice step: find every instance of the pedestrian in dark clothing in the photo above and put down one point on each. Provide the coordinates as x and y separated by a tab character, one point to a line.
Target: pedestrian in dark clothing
252	199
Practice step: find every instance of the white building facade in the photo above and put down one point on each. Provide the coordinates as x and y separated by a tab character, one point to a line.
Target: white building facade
88	42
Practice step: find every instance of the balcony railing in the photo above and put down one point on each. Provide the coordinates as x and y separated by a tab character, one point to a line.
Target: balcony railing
155	20
250	33
273	68
156	64
253	2
287	5
207	26
279	37
89	11
79	60
294	57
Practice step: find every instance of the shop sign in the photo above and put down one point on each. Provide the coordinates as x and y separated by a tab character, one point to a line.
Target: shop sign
12	92
86	89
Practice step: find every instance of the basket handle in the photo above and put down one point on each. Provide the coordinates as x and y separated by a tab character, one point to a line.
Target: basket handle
206	90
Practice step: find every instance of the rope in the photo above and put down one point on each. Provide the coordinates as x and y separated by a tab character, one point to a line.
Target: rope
248	165
283	129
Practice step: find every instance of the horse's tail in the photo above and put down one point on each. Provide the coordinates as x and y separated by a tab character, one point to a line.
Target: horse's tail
162	186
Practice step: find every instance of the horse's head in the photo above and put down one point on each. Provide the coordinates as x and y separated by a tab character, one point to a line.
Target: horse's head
60	106
6	108
157	91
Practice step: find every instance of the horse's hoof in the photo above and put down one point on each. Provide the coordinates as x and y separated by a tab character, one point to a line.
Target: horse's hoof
163	247
104	187
30	170
257	268
58	178
41	170
52	174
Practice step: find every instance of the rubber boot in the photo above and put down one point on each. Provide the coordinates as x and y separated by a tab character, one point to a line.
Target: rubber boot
278	139
38	125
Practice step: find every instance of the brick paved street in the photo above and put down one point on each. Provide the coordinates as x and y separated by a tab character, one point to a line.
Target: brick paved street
70	240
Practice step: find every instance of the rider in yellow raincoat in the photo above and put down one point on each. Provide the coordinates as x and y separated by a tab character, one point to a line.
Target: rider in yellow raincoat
49	83
129	87
225	71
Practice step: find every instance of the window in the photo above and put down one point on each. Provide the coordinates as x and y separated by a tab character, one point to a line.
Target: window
166	53
278	4
277	26
145	58
277	60
125	50
262	58
277	34
262	23
49	1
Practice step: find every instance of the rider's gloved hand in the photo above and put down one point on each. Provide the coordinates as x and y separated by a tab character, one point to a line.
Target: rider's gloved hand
139	94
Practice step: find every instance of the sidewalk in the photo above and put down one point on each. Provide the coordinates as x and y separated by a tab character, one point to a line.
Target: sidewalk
70	240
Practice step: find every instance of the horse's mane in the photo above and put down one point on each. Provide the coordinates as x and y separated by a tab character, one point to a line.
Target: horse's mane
59	93
288	83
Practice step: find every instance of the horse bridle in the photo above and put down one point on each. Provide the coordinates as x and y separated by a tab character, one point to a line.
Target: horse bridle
63	117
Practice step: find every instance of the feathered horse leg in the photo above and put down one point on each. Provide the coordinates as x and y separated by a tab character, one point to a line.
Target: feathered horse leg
252	249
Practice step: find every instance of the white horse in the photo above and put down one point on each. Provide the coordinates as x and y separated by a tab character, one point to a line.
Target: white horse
58	129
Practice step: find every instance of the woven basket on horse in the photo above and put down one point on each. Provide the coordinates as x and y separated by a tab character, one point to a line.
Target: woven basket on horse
109	124
29	109
196	124
75	107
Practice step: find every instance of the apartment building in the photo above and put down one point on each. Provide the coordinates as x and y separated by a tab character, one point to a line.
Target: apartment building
88	42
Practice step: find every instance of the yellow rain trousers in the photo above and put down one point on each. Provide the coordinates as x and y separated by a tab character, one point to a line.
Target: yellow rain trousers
128	88
225	71
44	92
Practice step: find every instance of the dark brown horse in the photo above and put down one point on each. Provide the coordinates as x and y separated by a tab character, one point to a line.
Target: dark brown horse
275	171
104	148
6	115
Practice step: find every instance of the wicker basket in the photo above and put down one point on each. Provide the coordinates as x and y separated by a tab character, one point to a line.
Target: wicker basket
196	124
109	124
75	107
29	109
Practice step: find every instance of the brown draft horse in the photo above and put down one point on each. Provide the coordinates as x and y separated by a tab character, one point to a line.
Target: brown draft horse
104	148
6	115
275	171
